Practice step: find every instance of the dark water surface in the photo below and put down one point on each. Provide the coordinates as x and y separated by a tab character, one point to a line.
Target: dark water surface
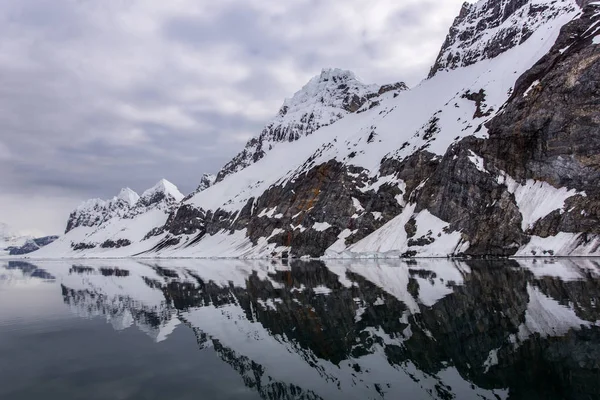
193	329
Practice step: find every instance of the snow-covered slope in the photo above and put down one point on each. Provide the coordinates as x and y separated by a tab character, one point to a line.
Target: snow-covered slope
96	211
460	164
325	99
9	237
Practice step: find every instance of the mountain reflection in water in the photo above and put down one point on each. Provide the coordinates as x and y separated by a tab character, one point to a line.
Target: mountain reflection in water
424	329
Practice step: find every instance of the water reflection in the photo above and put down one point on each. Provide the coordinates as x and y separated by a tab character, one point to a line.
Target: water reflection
311	330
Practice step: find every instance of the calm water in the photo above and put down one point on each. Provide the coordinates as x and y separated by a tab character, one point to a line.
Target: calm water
187	329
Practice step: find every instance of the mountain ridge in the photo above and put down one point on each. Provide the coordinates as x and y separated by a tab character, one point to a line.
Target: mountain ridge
324	100
423	172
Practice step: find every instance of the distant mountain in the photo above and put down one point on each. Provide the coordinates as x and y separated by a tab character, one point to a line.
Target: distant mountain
118	223
495	154
13	243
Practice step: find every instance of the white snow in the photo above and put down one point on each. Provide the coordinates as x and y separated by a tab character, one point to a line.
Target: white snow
128	196
268	212
322	290
357	206
537	199
491	360
596	39
377	215
321	226
166	187
340	244
563	244
391	239
478	161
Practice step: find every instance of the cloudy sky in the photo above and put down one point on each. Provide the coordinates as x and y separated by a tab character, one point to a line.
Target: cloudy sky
96	95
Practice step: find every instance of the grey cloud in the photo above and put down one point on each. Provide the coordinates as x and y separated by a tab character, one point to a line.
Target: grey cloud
240	25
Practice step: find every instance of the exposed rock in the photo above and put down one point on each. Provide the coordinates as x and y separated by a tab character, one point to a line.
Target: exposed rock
548	134
115	244
82	246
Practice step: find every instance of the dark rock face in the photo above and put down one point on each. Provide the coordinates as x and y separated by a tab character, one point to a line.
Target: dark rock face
82	246
95	212
45	241
115	244
31	245
206	181
487	29
331	197
549	130
473	202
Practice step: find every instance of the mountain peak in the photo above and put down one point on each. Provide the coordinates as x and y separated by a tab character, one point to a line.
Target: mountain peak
335	75
129	196
324	100
164	187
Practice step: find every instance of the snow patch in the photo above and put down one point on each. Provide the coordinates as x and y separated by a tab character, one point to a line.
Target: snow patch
536	199
477	161
321	226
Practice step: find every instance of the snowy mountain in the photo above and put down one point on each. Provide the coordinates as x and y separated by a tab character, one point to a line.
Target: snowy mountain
13	243
121	225
206	181
96	211
495	154
325	99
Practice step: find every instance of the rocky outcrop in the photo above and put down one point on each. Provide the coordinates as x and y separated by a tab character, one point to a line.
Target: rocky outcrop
206	181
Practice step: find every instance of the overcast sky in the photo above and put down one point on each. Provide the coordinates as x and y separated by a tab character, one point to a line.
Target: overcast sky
96	95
